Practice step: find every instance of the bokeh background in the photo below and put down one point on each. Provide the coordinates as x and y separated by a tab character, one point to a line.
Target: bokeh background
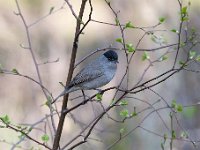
52	38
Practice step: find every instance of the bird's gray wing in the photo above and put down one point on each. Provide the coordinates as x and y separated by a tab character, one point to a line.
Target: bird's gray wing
85	76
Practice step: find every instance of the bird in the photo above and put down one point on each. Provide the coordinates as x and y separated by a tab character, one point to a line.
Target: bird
95	74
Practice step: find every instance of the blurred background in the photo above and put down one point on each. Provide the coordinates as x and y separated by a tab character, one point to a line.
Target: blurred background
52	38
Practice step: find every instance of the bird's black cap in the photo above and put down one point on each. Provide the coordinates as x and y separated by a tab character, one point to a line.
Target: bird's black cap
111	55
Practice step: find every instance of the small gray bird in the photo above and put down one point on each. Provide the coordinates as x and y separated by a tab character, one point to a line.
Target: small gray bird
96	74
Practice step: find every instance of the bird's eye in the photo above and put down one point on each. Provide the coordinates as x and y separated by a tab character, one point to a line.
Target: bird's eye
110	59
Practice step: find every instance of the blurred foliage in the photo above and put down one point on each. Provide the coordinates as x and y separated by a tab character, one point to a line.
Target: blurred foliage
190	112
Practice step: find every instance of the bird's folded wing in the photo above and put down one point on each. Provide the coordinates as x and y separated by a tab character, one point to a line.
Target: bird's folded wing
85	77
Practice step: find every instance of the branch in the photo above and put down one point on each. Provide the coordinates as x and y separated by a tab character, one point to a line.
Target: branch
25	134
71	70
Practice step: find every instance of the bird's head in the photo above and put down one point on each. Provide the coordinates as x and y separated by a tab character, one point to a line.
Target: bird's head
111	56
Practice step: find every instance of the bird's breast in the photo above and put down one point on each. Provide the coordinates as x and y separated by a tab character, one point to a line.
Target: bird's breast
110	71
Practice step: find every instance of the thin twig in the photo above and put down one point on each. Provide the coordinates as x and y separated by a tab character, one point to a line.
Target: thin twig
34	58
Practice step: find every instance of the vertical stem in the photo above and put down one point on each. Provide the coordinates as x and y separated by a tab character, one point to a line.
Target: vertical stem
179	35
71	70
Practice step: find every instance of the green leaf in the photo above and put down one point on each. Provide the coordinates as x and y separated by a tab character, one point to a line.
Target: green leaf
123	103
173	104
15	71
163	58
133	114
130	47
124	113
193	30
51	9
99	96
49	99
18	126
182	44
129	25
160	39
191	38
163	143
192	54
184	14
182	63
165	137
185	19
48	102
119	40
179	108
45	138
175	31
116	21
30	129
161	19
122	130
1	69
198	58
145	56
190	112
184	10
5	119
173	134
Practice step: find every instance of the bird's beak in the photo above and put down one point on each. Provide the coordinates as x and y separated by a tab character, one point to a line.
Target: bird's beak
117	61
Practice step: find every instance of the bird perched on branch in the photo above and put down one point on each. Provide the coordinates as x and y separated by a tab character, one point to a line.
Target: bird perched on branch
97	73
